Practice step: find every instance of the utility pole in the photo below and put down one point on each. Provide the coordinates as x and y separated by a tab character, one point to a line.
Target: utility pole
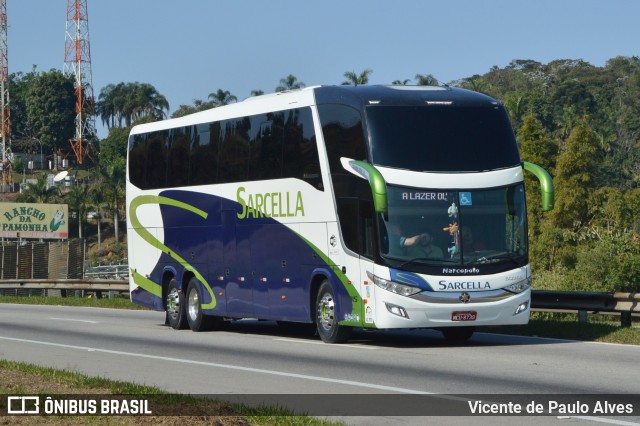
5	112
77	62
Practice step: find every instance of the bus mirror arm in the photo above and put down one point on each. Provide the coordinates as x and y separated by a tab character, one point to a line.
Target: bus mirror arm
546	184
376	182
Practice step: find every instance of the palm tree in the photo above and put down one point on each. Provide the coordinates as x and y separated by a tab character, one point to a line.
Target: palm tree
98	199
426	80
112	177
357	79
290	82
39	192
400	82
78	201
222	97
129	102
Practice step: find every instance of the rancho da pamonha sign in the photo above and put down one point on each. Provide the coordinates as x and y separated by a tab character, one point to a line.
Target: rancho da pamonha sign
29	220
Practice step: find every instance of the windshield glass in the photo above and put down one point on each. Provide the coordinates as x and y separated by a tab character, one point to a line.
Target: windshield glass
435	227
442	138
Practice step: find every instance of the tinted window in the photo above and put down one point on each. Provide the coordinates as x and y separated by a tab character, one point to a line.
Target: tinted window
442	138
343	134
234	150
300	156
156	164
138	160
263	146
178	160
203	161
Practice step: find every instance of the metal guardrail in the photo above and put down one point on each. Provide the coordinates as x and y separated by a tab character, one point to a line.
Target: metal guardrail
623	303
67	284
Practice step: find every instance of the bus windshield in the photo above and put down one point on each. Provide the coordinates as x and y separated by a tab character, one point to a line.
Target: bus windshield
442	138
435	227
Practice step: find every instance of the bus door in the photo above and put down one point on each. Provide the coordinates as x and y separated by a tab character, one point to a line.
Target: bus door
236	267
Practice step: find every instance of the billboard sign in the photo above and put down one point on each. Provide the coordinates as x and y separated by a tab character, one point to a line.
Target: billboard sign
28	220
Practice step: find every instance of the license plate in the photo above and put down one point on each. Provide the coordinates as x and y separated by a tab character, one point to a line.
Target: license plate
464	316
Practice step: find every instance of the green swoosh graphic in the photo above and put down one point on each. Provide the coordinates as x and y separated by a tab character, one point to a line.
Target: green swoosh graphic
145	283
357	307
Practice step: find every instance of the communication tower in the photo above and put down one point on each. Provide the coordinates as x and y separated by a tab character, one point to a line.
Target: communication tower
77	62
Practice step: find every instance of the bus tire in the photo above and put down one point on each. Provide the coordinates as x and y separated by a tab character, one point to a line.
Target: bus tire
326	316
174	303
457	334
196	319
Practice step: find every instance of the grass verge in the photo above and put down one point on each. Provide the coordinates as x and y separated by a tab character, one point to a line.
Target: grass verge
26	379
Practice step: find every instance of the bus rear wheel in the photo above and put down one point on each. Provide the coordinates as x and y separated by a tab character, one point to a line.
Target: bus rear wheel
176	313
327	317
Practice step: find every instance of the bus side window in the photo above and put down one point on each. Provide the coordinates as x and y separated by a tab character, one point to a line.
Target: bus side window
157	159
300	153
204	154
266	146
178	158
138	160
234	150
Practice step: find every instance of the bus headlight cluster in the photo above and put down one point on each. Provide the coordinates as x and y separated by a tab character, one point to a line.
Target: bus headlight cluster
520	286
394	287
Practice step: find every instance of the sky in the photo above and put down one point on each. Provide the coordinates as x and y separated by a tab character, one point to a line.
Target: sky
189	48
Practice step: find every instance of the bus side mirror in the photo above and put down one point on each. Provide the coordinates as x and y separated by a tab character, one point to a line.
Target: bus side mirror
376	182
546	184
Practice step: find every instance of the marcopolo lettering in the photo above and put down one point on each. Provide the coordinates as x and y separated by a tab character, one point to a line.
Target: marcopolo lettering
270	204
463	285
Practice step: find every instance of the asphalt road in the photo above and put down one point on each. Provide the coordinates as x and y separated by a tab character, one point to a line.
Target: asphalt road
259	358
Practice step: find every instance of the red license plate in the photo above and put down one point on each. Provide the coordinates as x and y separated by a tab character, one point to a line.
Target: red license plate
464	316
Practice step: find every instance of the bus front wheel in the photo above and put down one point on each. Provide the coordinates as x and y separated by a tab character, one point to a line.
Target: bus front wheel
327	317
176	313
197	320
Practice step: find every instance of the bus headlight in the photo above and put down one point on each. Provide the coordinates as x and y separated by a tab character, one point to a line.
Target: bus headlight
520	286
394	287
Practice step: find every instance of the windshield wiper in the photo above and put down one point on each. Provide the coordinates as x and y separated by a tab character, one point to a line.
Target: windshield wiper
497	257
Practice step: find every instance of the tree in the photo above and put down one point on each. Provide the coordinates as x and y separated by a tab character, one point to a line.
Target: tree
426	80
114	145
222	97
78	200
50	108
357	79
400	82
39	192
257	92
290	82
198	105
575	177
97	197
112	177
129	102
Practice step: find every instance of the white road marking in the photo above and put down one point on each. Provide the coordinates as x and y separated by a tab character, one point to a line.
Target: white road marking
226	366
74	320
602	420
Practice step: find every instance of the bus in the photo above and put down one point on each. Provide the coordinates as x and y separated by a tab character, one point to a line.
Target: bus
341	207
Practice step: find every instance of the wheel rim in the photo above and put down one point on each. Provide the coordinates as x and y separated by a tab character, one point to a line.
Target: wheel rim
173	303
193	304
326	311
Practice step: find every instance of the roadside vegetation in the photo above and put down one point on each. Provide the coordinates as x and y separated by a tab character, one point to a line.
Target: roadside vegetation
27	379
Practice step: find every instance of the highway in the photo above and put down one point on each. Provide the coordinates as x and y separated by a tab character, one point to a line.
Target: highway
255	357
